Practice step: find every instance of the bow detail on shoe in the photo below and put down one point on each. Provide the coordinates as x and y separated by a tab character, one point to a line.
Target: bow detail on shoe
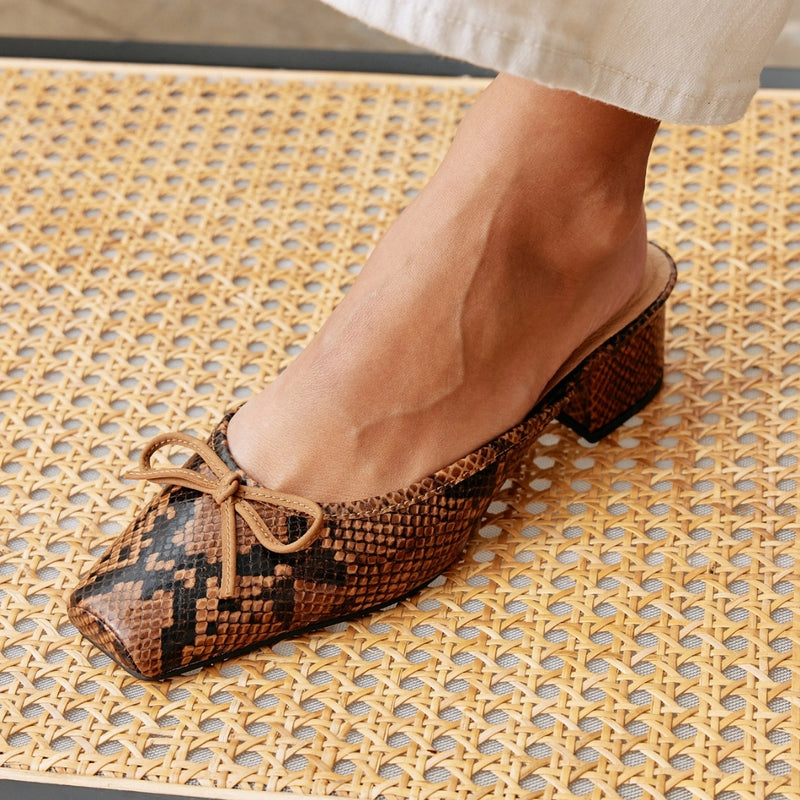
228	490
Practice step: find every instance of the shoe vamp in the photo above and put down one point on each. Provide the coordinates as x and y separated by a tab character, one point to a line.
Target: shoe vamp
158	586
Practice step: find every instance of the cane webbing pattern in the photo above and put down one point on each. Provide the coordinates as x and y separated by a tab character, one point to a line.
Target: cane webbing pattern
623	626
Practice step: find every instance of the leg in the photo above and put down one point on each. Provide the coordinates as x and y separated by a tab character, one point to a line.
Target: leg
529	237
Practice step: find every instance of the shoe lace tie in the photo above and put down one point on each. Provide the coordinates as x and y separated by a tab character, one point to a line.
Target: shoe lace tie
232	496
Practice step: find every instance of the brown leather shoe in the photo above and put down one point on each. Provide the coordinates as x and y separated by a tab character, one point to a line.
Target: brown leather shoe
216	564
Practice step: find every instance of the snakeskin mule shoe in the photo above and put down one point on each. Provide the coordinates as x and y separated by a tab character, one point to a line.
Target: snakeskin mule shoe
216	564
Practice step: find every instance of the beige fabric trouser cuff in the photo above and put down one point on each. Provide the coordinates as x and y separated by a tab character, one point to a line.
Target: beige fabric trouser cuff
684	61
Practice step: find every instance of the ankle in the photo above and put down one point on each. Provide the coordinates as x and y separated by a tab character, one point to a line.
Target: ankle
556	169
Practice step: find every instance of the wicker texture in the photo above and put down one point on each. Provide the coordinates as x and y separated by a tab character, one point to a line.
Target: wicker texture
623	624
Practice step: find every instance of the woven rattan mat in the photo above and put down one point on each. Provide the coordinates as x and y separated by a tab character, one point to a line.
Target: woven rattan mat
624	624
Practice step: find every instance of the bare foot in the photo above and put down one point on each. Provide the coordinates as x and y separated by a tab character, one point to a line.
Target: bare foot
530	236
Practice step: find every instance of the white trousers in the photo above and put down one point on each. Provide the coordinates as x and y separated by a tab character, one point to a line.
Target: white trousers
685	61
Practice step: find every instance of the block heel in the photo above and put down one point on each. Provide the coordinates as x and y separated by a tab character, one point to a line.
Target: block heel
618	381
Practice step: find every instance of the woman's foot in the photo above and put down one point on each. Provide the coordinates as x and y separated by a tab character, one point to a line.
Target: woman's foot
530	236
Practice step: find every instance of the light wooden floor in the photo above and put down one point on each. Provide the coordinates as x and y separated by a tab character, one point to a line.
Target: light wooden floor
265	23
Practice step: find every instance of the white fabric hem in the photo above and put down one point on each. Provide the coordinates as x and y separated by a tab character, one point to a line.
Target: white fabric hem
696	64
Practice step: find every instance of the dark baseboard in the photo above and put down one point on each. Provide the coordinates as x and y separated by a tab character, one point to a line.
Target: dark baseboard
22	790
780	78
276	58
232	56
